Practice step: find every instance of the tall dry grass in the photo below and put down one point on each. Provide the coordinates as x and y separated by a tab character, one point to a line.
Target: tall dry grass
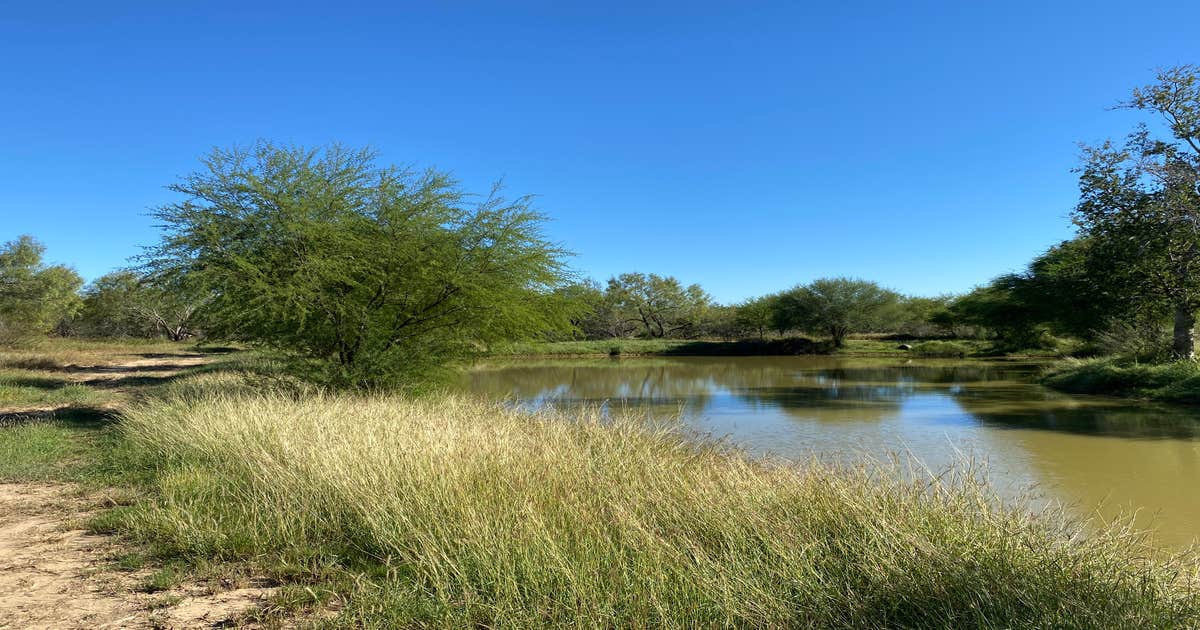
457	512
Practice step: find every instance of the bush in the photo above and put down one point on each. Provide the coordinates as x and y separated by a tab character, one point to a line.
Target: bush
1177	381
373	275
452	512
940	349
1144	339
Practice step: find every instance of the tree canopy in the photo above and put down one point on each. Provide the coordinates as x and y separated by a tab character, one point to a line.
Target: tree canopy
1140	204
838	307
661	305
34	297
123	303
373	272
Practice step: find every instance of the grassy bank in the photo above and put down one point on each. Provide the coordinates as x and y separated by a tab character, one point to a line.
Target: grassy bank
454	512
1169	382
448	511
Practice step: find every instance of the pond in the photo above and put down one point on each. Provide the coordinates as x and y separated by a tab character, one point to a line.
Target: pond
1096	455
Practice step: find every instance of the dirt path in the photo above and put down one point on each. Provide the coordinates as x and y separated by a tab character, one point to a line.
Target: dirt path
55	574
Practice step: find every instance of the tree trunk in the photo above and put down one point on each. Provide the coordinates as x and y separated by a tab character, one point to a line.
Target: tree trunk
1184	346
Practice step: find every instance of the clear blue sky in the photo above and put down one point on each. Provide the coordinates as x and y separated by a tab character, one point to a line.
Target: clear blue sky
745	146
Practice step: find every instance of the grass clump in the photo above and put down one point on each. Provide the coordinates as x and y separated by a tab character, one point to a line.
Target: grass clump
25	389
941	349
454	512
1177	381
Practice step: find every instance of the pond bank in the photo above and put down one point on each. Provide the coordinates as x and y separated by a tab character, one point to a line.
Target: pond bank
1175	382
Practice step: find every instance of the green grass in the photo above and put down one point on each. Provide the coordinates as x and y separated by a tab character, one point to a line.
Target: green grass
451	512
1170	382
27	389
74	445
941	349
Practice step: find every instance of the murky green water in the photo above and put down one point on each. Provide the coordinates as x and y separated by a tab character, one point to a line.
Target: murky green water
1091	453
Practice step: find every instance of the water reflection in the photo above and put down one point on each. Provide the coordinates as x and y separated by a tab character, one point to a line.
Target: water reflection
1084	451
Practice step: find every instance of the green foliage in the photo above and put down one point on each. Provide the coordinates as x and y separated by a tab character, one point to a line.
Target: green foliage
1177	381
922	316
838	307
1060	293
595	313
110	307
661	305
34	297
1144	338
125	304
1139	204
757	316
375	273
719	321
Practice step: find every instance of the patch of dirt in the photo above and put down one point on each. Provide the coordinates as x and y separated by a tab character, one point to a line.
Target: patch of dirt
115	378
145	369
54	574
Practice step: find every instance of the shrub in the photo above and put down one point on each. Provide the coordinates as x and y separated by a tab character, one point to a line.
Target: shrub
1177	381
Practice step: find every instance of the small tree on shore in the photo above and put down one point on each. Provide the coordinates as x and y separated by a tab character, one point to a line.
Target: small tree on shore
838	307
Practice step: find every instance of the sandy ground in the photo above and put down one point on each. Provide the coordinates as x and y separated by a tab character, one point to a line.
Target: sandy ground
54	574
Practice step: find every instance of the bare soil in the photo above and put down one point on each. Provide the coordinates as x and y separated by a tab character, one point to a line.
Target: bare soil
55	574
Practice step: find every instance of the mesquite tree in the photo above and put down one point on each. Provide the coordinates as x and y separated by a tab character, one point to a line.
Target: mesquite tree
376	274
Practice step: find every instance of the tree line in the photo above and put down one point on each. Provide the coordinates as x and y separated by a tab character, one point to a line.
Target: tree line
376	273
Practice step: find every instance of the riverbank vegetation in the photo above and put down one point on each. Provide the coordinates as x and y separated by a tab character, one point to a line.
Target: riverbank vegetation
389	510
1174	381
314	461
463	512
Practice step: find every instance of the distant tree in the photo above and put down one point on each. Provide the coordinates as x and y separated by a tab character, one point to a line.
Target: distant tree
594	314
34	297
756	315
720	321
661	305
125	304
998	309
1064	291
1077	291
921	316
839	307
110	307
1140	204
376	273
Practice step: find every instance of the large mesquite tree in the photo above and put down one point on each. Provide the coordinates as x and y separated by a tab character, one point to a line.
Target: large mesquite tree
375	272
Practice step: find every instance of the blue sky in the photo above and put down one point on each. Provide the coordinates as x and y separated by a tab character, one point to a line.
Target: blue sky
744	146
